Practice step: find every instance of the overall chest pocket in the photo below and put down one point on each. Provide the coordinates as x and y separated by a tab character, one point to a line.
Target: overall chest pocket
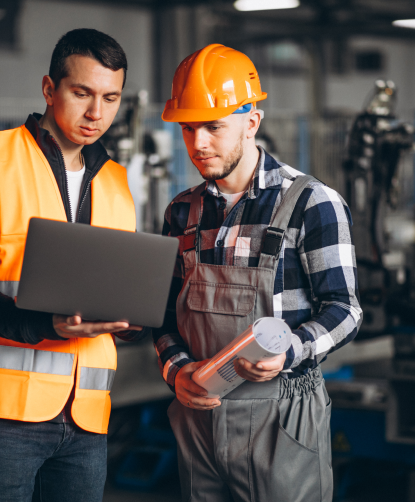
218	298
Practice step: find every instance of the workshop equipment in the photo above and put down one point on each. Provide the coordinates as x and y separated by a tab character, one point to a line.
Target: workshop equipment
376	143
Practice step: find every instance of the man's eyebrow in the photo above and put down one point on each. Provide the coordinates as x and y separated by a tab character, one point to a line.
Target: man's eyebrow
88	89
212	122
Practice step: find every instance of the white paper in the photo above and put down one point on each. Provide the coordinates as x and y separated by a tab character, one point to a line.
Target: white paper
266	338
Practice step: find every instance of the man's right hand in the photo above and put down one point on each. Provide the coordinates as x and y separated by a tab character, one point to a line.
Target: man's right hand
189	393
75	327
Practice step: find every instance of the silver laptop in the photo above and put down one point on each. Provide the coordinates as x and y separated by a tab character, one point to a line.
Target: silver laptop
97	273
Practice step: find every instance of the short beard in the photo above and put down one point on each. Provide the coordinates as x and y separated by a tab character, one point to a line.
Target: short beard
230	163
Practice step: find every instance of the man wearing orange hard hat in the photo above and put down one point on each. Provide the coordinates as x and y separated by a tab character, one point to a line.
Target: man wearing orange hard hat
257	239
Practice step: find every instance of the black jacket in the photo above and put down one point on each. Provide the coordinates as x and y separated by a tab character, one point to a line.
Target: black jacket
27	326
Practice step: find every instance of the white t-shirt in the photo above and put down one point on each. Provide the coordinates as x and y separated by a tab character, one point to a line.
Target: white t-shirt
231	199
74	188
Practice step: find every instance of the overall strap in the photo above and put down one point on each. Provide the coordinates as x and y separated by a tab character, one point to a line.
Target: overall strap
270	254
191	232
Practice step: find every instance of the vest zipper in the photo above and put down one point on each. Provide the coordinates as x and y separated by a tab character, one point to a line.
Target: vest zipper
83	199
66	183
68	194
66	176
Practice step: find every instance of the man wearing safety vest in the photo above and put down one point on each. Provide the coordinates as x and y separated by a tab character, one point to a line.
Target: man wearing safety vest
56	372
245	255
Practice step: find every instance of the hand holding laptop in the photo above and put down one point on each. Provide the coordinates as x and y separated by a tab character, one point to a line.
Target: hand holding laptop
75	327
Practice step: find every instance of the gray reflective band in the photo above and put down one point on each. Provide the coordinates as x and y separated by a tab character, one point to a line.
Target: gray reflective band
37	361
96	378
9	288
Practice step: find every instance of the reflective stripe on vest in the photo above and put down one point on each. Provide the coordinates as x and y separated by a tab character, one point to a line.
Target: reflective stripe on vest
9	288
37	361
96	378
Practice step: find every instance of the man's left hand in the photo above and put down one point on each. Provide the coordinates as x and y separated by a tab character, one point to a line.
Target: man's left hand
262	371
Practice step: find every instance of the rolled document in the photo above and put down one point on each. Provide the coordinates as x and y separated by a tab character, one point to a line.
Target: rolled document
266	338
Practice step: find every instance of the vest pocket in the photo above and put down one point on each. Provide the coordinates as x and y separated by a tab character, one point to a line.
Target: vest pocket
218	298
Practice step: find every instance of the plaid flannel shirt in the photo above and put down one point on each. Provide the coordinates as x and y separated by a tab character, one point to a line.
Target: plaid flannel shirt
315	288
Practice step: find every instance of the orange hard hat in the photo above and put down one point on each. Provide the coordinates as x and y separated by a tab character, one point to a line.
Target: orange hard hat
211	84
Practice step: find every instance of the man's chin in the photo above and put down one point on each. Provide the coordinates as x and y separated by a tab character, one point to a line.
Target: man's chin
83	140
210	173
214	176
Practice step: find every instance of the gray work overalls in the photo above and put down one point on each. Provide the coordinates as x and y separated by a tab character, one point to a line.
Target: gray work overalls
268	441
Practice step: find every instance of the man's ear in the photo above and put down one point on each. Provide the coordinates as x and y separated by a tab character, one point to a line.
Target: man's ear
254	121
48	88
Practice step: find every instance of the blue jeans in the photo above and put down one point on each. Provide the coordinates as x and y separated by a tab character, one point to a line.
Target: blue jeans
48	462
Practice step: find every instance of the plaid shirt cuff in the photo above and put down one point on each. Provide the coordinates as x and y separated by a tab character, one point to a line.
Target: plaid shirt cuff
172	368
289	358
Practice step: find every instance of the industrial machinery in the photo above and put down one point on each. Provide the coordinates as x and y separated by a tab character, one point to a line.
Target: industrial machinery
376	143
146	152
373	420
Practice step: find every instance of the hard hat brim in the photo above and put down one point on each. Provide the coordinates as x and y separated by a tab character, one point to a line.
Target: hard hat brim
205	114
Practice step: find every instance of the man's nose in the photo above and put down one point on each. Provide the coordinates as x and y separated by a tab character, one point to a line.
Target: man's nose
200	141
94	111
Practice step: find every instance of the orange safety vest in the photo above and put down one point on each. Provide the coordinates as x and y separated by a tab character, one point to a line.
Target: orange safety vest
36	380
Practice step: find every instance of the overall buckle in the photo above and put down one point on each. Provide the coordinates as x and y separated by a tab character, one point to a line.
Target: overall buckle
273	241
190	238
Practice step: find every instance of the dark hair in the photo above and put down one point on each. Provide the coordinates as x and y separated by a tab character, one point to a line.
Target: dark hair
90	43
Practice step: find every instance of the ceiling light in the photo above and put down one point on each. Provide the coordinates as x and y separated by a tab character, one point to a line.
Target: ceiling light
246	5
405	23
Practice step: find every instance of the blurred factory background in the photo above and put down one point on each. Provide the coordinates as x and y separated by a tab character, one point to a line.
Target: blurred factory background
340	77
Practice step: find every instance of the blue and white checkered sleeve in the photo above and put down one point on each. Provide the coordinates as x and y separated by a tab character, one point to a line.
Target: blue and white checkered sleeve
327	255
171	349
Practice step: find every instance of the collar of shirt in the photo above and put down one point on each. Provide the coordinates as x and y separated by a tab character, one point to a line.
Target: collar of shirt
267	175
